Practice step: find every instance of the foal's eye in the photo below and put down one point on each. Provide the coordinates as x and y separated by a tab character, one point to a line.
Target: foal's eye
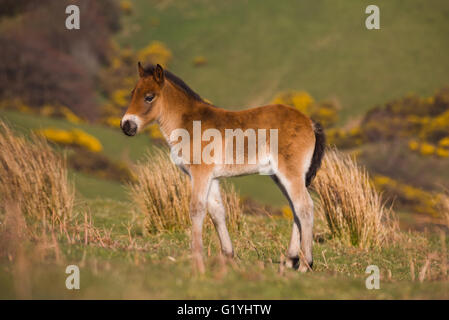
149	98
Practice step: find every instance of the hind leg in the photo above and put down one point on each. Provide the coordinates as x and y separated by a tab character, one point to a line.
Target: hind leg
294	244
302	229
304	218
293	247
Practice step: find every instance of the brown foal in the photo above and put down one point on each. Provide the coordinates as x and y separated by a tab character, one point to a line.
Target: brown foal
291	154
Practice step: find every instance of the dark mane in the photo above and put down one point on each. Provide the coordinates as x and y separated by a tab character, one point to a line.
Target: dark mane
149	70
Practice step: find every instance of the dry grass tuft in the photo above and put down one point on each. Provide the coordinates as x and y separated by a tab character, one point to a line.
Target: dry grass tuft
36	207
33	176
353	210
162	193
13	231
13	238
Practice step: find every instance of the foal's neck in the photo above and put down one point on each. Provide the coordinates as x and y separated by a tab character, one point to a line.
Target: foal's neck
175	104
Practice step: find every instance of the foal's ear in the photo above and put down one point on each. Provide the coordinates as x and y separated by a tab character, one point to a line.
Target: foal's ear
141	69
158	74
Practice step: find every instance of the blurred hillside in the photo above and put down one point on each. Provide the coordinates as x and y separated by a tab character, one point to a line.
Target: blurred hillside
256	48
43	63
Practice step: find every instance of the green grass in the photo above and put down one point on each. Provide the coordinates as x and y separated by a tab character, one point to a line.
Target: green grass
261	188
257	48
162	269
120	279
89	187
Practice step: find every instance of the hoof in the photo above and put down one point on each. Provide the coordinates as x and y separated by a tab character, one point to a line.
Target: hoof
199	264
304	267
228	255
292	262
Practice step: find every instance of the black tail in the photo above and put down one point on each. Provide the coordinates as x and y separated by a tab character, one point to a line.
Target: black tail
318	153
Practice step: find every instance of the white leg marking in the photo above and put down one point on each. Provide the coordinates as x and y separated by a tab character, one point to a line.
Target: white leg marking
218	215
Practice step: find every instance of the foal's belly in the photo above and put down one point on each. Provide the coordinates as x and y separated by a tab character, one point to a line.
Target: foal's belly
265	165
232	170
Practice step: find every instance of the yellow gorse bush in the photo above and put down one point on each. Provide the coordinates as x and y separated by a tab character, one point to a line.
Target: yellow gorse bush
442	153
199	61
301	100
16	104
416	199
70	116
121	97
116	63
413	145
113	122
57	135
428	149
344	138
74	137
82	138
47	110
424	122
444	143
437	127
126	6
155	52
60	111
325	112
155	132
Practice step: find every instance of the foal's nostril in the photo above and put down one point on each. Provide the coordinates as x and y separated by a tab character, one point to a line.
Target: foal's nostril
125	125
129	128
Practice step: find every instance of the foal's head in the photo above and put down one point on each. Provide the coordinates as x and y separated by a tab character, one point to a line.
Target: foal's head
146	100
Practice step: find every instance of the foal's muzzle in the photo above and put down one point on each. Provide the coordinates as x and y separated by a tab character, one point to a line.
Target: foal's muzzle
129	127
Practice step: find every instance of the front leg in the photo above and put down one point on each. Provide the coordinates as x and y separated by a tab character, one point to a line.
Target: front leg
218	215
200	190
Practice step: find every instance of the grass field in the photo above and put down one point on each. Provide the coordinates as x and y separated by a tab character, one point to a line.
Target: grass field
255	49
159	267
